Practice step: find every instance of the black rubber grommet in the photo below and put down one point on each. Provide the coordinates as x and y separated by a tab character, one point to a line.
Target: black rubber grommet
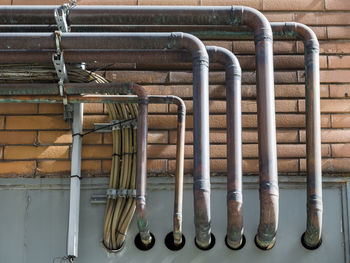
169	242
238	248
211	245
307	246
260	247
142	246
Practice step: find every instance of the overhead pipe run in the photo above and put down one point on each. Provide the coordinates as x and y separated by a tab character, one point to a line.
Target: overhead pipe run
234	15
42	41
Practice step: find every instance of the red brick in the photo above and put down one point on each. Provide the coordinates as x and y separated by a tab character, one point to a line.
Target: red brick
279	47
252	3
319	19
107	2
37	2
337	5
36	123
302	5
219	136
60	167
97	152
334	47
174	2
321	32
5	2
338	32
330	106
224	44
335	76
17	137
2	122
337	165
90	120
141	77
341	150
278	17
62	137
335	62
330	136
18	108
341	121
160	137
50	108
339	91
36	152
17	168
249	166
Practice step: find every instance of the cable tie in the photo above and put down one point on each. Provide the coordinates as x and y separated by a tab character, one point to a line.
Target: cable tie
122	154
77	134
77	176
120	233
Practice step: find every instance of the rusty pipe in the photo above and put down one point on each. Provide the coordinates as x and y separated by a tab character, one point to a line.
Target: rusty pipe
234	238
311	238
46	41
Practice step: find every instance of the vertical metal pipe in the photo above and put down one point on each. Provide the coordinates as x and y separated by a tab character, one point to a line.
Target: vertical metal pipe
234	238
201	174
74	201
179	173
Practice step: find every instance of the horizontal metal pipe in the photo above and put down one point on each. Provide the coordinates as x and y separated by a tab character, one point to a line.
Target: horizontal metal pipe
48	41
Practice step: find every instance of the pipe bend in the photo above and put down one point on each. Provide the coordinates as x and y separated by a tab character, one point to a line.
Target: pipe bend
225	57
243	15
191	43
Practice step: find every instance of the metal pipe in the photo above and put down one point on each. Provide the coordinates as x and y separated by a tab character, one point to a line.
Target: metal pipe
74	200
267	133
234	238
311	238
180	153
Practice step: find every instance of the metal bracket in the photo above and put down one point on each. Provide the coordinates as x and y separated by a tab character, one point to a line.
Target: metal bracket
61	15
113	194
114	125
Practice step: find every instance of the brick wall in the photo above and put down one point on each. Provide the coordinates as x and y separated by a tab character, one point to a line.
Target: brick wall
35	140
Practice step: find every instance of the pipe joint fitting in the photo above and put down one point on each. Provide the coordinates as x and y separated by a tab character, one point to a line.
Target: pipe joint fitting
202	185
269	186
199	59
311	46
235	196
263	34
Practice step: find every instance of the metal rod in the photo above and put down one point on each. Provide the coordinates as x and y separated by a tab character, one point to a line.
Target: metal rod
74	200
233	73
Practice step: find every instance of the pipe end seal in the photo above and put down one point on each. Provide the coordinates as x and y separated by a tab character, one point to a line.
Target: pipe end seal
170	244
305	245
264	245
210	246
142	246
232	247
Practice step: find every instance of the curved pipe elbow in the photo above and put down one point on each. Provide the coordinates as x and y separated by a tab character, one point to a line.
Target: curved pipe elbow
254	19
191	43
225	57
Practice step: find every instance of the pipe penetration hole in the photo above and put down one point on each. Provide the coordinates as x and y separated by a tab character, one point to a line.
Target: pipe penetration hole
142	246
238	248
263	248
169	242
307	246
211	245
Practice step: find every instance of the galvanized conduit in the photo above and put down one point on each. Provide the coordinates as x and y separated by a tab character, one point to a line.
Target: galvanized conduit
235	15
94	41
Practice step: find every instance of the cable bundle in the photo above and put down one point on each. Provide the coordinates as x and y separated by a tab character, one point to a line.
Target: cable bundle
119	209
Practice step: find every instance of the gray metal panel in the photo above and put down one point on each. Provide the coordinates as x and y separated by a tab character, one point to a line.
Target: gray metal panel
34	224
